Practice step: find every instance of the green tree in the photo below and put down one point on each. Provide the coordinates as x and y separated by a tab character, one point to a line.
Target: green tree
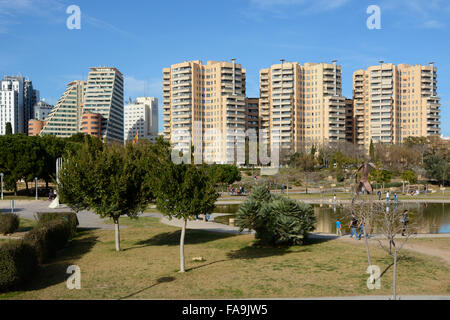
371	150
112	181
437	168
275	219
183	191
409	176
8	129
381	176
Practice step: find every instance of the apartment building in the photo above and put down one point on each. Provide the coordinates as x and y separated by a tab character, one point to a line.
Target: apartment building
393	102
252	114
301	106
64	119
141	118
104	96
349	121
204	106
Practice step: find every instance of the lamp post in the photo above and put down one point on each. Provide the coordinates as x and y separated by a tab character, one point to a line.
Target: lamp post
1	176
36	186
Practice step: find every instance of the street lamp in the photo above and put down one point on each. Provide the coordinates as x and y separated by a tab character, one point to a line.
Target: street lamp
2	175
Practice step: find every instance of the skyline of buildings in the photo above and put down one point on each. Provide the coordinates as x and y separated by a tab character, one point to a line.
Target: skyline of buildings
206	106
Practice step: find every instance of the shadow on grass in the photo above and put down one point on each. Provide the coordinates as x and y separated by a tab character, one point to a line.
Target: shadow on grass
55	270
173	238
158	281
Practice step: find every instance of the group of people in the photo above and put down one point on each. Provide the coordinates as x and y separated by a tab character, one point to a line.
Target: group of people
237	192
388	196
356	226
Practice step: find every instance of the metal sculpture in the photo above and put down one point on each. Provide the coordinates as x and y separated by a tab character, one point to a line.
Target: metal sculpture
364	184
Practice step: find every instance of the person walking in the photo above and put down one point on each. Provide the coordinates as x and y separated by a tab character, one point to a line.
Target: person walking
354	225
338	228
405	221
334	199
379	195
395	197
361	231
388	196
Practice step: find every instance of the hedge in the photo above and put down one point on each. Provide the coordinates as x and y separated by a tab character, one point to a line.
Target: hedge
48	238
18	262
70	217
9	223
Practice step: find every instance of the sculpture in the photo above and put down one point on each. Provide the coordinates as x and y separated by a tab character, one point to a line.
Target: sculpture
364	184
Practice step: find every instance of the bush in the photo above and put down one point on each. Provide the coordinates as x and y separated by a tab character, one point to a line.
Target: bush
69	217
48	238
18	262
276	219
9	223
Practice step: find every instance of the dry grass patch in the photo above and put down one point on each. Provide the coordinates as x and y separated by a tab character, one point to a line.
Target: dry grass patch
147	268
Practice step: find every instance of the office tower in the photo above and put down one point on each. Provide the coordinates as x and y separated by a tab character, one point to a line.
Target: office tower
64	120
301	106
393	102
12	104
141	118
31	97
204	107
104	96
41	110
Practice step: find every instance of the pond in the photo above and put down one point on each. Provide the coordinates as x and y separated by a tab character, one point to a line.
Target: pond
436	216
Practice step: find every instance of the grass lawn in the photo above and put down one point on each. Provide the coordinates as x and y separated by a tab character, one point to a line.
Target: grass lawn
147	268
436	243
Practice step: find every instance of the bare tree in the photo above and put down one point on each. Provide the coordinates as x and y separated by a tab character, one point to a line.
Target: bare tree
395	227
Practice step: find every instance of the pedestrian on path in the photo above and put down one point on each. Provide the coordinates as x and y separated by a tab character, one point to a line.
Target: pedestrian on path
354	225
379	195
405	221
361	231
338	228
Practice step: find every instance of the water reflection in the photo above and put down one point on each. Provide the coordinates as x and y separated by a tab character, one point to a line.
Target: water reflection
436	216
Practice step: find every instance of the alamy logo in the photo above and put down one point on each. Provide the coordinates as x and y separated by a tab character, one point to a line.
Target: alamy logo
374	281
74	20
374	21
74	281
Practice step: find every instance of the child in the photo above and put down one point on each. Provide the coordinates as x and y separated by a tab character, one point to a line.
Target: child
338	228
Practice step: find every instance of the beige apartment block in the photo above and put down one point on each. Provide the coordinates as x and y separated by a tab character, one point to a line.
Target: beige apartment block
393	102
204	106
301	106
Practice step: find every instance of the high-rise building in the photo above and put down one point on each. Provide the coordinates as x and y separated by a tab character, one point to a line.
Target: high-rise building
141	118
252	114
12	104
31	97
301	106
204	107
349	121
64	119
393	102
104	96
41	110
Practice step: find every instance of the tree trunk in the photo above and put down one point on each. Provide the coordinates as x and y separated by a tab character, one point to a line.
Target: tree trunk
367	246
15	189
395	274
117	230
183	233
26	186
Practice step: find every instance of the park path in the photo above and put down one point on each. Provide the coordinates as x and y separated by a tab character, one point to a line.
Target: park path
442	254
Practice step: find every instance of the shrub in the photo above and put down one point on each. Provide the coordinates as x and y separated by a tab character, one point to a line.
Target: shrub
18	262
48	238
276	219
9	223
69	217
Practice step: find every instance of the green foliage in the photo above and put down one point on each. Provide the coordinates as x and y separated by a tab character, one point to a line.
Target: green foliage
68	217
224	173
18	262
381	176
9	223
275	219
8	129
409	176
303	161
48	238
182	191
437	168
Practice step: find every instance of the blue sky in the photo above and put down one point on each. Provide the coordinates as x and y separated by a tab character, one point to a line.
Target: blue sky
140	37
